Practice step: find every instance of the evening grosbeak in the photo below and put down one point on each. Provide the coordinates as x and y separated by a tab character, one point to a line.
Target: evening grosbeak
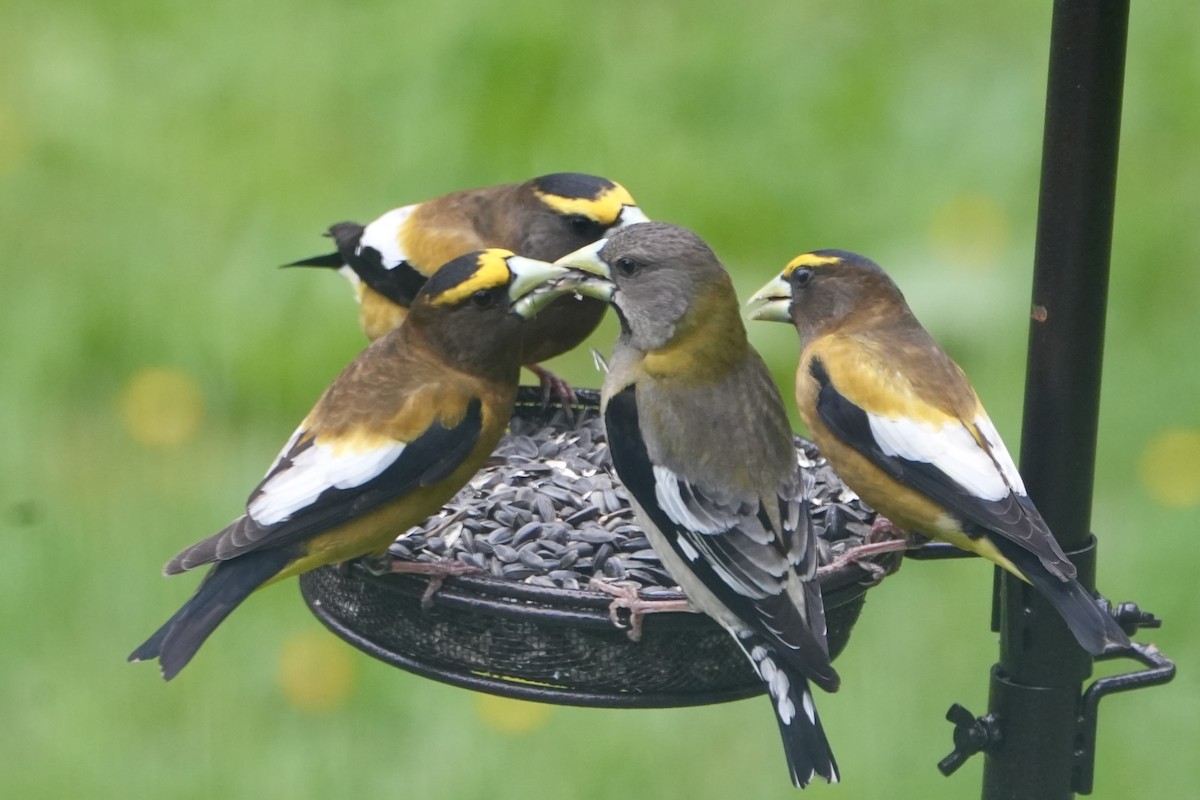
399	431
700	438
389	259
901	424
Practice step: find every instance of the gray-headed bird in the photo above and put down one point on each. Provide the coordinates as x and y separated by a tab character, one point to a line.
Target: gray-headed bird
400	430
700	439
387	260
901	424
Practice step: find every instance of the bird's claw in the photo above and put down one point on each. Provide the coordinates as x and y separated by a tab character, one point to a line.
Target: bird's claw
375	563
554	387
860	556
436	571
626	597
882	529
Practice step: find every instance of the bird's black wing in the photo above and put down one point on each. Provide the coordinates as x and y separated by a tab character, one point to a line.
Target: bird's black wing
398	282
314	496
766	577
1007	513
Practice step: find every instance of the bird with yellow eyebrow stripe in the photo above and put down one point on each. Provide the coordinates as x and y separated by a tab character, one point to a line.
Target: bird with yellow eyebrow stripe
400	430
387	260
900	423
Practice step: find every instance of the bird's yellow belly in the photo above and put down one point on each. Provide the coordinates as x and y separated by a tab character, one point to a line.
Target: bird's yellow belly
372	533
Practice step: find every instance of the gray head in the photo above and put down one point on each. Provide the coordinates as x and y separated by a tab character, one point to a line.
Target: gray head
661	278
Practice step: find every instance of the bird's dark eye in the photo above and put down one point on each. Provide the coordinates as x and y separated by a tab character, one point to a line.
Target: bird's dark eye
626	265
802	276
585	226
484	298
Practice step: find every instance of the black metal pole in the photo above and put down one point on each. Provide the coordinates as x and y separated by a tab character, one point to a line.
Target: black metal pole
1036	685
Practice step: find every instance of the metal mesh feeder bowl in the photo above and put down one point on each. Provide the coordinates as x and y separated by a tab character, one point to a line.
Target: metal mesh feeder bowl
535	526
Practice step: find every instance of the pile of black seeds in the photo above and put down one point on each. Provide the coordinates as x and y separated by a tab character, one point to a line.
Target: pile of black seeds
547	511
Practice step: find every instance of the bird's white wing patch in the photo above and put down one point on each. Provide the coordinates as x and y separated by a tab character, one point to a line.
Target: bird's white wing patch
383	235
1000	453
287	448
950	448
729	538
314	470
690	516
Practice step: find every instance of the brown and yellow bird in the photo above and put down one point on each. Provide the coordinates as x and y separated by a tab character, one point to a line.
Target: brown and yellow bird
387	260
902	425
399	431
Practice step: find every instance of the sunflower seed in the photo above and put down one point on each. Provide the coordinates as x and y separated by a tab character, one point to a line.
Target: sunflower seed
547	510
531	559
597	536
568	557
613	568
603	554
506	554
550	547
527	532
503	535
544	507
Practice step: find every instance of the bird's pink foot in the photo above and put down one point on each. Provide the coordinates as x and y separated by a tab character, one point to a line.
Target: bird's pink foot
626	597
882	530
553	387
375	563
437	571
862	554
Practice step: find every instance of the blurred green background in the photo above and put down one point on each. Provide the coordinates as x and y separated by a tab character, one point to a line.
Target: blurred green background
159	160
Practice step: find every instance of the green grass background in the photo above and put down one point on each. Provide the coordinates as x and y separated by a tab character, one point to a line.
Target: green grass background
159	160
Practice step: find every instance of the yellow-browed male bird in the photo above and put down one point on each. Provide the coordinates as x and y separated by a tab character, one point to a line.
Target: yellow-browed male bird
387	260
700	438
902	425
399	431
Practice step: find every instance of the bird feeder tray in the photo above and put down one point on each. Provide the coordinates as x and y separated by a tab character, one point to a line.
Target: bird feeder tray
535	526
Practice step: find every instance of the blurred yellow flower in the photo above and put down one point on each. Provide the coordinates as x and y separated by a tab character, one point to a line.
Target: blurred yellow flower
316	672
1170	467
14	142
970	230
511	716
161	407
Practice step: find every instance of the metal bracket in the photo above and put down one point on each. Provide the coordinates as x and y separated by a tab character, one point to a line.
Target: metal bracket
1132	619
1159	670
971	735
983	734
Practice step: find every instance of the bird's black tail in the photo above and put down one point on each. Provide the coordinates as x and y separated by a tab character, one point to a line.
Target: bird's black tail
225	586
804	742
1092	627
347	236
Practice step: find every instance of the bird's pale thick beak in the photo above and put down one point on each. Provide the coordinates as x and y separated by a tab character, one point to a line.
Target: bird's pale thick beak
774	302
630	215
533	284
589	274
